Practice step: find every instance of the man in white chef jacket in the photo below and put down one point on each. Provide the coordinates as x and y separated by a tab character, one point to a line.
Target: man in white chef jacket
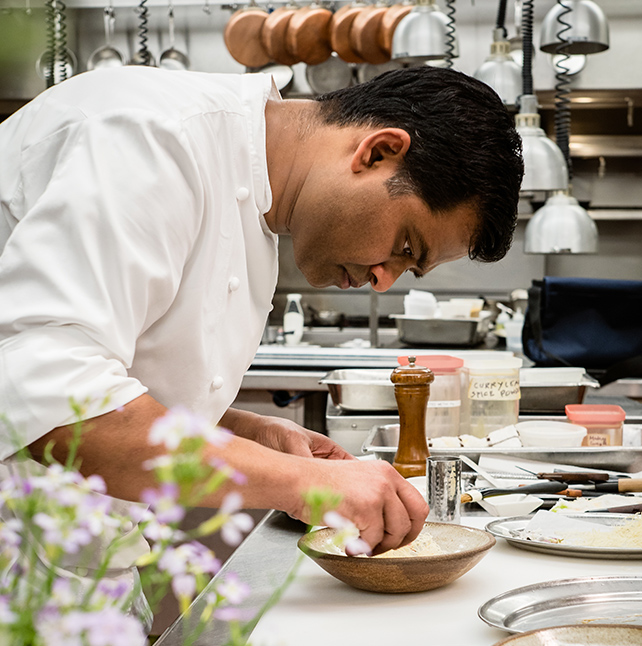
140	211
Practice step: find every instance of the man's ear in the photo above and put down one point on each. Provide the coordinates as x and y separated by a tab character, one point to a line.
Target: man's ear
380	147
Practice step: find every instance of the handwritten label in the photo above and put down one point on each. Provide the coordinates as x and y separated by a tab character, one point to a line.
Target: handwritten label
493	388
455	403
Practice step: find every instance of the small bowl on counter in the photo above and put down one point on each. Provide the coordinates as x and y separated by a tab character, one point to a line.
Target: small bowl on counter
550	434
461	549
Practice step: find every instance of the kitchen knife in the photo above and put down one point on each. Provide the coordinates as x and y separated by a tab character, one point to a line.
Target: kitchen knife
578	477
546	486
625	509
617	486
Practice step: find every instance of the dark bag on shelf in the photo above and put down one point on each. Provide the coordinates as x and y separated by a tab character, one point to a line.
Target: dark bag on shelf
591	323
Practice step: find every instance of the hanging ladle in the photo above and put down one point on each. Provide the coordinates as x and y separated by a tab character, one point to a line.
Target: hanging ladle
172	58
107	55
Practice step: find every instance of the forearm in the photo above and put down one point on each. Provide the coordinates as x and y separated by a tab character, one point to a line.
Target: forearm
115	446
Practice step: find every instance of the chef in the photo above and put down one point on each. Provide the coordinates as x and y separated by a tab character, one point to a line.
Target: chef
140	214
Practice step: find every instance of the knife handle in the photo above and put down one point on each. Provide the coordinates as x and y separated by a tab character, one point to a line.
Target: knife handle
575	478
629	484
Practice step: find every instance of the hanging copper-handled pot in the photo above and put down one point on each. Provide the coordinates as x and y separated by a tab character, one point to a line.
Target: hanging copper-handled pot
308	34
242	36
273	35
340	27
364	34
393	16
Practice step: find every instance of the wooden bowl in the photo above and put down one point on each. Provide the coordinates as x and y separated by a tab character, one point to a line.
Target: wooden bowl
464	547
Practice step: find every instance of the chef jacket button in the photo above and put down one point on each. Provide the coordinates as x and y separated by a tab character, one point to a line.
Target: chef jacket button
127	526
217	382
234	284
242	193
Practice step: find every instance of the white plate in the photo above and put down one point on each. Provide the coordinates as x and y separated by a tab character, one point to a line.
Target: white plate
505	529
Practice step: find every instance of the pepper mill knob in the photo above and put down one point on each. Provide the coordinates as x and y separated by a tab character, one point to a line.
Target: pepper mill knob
412	390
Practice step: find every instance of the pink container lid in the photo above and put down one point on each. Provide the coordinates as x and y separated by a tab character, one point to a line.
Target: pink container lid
438	363
595	413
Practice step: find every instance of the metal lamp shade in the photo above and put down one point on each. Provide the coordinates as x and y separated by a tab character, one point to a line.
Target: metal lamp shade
545	168
588	33
421	35
503	74
561	226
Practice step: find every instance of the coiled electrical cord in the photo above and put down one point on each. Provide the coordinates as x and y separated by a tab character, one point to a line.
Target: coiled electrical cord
144	54
563	90
56	58
527	45
450	33
50	52
61	44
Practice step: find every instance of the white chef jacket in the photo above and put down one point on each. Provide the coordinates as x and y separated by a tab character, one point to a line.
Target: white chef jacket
134	252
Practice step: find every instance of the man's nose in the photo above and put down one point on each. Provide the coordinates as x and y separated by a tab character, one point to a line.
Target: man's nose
383	276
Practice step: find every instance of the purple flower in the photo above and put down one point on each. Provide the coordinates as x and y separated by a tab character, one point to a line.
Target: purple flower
7	616
229	613
347	536
192	557
113	589
163	502
110	627
233	589
184	585
237	523
179	423
59	533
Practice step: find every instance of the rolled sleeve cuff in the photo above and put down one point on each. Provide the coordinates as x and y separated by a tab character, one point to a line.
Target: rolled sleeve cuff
44	370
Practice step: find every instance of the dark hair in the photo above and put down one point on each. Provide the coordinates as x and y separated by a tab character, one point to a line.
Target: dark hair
464	147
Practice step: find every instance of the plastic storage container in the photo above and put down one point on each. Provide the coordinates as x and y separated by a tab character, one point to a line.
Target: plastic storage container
444	404
603	423
490	398
550	434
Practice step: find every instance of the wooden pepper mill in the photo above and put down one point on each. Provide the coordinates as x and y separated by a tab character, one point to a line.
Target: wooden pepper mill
412	390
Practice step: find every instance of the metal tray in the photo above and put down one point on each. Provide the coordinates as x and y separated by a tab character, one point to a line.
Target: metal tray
606	600
382	441
505	527
548	390
361	390
417	330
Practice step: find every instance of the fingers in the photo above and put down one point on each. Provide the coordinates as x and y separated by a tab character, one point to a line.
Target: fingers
324	447
388	511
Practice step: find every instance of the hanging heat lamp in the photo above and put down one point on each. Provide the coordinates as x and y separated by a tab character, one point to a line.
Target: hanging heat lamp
499	70
562	225
424	34
583	28
545	168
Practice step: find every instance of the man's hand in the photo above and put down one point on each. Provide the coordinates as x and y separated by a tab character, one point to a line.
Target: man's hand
283	435
388	511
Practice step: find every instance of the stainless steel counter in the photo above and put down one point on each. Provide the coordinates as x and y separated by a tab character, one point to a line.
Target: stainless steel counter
263	561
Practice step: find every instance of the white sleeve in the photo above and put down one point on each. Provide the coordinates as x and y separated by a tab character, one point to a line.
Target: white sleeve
109	208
